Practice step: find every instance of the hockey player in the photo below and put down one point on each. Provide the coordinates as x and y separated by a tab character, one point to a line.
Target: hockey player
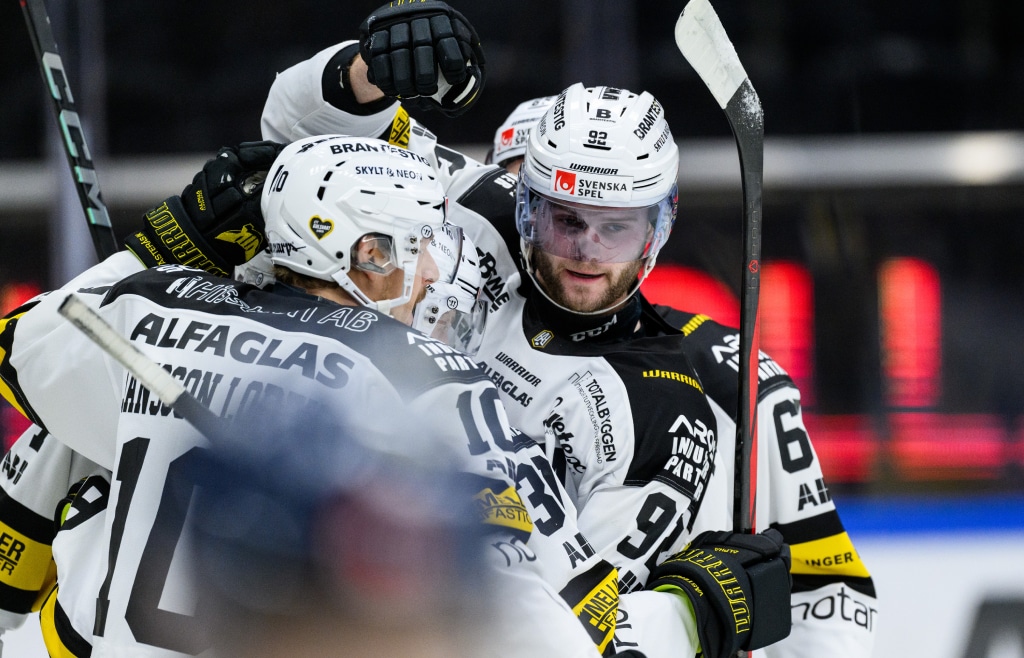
509	145
220	206
614	383
42	471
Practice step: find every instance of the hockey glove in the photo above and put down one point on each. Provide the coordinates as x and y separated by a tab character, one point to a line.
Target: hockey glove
739	586
216	223
425	53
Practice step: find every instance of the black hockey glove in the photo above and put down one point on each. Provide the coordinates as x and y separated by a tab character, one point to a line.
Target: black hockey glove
739	586
425	53
216	223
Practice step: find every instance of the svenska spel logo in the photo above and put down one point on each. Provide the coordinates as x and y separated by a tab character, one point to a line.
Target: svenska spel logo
506	136
565	181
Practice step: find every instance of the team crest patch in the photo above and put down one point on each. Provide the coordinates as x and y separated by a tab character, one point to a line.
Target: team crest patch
541	340
321	227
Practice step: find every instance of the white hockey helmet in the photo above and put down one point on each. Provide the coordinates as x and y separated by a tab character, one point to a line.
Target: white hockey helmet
510	138
454	312
326	194
599	179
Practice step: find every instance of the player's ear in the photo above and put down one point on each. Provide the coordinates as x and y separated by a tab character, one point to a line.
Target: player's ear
372	265
373	254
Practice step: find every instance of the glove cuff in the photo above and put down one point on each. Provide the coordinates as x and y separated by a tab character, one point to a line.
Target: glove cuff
169	236
710	634
337	90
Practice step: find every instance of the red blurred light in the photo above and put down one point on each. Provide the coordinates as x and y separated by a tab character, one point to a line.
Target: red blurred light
787	322
15	294
690	289
927	446
12	423
910	307
846	445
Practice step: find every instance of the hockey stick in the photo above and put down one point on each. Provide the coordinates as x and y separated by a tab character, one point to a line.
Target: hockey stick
705	45
146	371
79	157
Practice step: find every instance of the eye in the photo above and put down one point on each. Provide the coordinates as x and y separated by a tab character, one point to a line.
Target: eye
569	220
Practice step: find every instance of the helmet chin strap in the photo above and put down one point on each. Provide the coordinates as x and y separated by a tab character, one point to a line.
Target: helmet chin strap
527	253
382	305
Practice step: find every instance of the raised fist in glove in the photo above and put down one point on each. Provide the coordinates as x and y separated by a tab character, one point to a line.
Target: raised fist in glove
216	223
425	52
739	586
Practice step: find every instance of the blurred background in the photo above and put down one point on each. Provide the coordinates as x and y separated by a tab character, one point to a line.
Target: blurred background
893	278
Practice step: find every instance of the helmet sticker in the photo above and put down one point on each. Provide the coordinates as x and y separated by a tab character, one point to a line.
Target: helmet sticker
593	186
320	227
565	182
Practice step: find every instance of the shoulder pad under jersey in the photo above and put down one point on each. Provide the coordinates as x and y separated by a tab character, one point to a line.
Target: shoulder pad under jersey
713	349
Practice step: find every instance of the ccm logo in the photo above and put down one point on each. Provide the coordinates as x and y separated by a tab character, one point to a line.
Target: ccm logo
565	181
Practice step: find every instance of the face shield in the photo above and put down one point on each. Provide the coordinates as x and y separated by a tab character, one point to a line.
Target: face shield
451	309
589	233
405	253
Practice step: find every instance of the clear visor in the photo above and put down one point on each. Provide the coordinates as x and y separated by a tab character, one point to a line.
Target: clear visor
409	251
383	254
450	313
451	309
446	248
583	232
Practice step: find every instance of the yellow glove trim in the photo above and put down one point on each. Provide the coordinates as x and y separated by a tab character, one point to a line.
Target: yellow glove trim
400	129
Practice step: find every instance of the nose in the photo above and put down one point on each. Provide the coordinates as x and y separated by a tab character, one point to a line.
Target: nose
588	245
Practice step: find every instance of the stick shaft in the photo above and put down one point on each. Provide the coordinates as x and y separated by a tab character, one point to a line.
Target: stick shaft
146	371
702	40
68	122
749	132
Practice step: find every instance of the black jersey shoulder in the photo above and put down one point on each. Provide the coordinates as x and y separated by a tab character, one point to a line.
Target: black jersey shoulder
493	197
714	351
410	361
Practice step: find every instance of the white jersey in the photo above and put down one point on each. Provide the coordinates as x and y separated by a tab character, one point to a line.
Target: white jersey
41	472
236	348
38	472
648	464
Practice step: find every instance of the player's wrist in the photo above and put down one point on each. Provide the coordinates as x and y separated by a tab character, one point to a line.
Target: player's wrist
363	91
688	616
344	84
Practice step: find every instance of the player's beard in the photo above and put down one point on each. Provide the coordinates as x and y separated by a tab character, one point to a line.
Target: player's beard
621	280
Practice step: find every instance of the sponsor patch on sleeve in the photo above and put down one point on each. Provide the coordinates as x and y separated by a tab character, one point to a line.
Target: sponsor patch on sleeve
505	510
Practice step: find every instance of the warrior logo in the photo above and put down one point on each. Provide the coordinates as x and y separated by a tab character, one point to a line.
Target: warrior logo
565	181
321	227
248	239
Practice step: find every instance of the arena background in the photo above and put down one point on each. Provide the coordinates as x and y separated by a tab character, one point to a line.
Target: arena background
894	188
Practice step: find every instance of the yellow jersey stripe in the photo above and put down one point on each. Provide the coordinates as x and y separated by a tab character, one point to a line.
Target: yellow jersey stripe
833	555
